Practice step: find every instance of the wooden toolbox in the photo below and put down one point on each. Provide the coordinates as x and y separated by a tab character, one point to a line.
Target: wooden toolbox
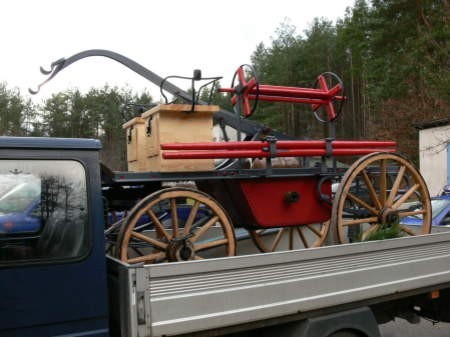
168	123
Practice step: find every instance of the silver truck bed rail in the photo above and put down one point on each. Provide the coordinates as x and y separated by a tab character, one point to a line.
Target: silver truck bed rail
179	298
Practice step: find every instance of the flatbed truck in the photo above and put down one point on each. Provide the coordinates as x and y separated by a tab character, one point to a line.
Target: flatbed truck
57	281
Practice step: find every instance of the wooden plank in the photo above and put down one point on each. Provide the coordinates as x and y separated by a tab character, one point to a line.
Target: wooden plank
186	108
157	163
132	122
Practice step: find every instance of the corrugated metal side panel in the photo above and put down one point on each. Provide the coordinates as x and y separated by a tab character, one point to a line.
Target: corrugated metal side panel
199	295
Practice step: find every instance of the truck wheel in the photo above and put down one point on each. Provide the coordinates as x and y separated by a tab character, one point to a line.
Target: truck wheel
175	224
381	196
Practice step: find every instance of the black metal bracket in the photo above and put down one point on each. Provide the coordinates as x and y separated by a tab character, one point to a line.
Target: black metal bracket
323	197
197	76
329	147
272	149
222	126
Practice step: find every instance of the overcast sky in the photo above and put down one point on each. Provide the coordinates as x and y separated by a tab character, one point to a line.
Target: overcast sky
170	37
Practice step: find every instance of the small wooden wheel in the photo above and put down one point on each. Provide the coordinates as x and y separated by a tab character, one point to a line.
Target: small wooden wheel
175	224
290	237
375	196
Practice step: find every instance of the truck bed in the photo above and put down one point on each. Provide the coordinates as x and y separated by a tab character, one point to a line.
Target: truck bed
187	297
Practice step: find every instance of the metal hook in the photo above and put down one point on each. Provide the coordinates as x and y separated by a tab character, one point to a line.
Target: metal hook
45	72
55	67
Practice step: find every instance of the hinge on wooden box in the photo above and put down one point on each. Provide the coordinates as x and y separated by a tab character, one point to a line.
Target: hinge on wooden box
129	136
148	129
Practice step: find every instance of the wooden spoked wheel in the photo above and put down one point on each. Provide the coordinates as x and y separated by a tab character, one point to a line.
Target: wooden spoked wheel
377	198
289	238
175	224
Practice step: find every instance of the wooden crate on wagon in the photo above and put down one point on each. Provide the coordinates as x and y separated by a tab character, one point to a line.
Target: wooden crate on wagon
171	123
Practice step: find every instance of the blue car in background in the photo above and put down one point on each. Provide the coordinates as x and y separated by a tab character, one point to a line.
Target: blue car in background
24	221
440	207
19	209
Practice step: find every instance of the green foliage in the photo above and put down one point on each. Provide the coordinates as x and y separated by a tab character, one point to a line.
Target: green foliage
295	60
100	113
393	56
211	95
16	112
390	231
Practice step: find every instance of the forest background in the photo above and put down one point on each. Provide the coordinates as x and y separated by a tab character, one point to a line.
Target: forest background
393	56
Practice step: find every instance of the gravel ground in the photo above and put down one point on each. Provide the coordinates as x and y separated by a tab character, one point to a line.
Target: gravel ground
401	328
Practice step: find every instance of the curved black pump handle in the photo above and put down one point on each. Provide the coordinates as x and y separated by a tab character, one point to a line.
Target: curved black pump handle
62	63
249	127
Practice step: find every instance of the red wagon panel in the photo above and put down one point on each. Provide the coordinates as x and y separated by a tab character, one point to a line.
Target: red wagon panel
286	202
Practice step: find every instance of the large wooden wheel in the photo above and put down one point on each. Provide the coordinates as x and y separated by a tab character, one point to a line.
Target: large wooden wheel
175	224
291	237
375	196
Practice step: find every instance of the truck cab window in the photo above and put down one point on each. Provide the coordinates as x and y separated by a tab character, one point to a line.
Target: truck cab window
43	210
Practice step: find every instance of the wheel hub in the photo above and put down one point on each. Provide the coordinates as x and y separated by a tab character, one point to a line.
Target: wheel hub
389	217
180	249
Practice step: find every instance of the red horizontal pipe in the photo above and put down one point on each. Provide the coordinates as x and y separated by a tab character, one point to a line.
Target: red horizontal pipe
282	144
262	154
315	102
288	99
227	90
273	90
281	90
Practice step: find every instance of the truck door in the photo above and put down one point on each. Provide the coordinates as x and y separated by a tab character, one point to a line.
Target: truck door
52	268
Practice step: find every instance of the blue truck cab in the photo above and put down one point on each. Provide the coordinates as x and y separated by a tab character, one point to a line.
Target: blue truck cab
52	260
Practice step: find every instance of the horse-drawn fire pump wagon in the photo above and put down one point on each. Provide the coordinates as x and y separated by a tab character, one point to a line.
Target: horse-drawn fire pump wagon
265	185
195	202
